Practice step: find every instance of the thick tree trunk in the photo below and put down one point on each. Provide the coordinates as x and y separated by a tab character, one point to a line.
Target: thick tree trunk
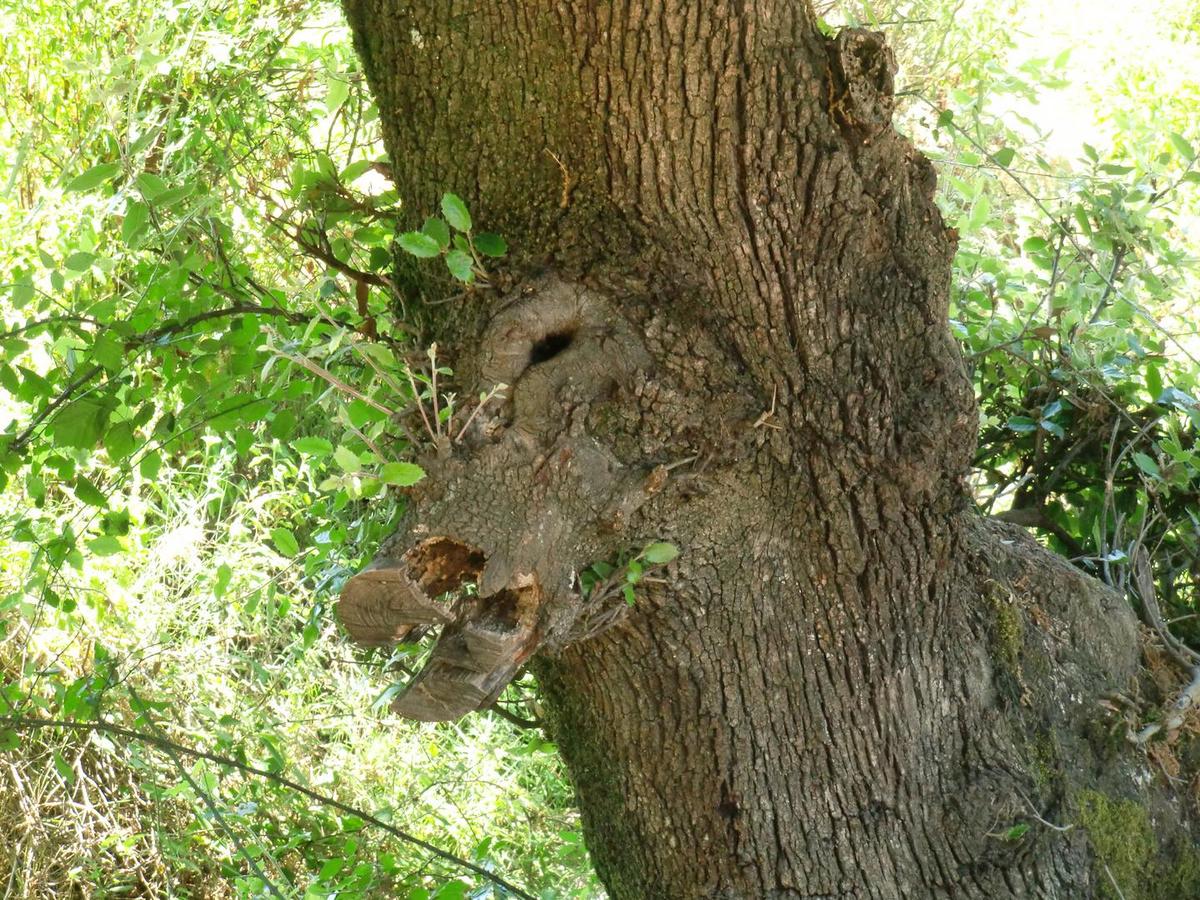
727	329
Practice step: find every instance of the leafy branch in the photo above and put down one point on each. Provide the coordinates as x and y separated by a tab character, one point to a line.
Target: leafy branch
603	581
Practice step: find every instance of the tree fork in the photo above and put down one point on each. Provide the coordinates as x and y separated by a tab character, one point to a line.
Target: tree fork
724	254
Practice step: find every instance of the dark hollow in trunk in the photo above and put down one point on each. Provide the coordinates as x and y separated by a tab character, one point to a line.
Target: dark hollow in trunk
724	326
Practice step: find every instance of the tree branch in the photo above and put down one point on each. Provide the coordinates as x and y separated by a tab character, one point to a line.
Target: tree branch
22	440
329	259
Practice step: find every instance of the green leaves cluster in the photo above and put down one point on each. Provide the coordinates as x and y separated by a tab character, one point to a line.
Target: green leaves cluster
1070	295
463	250
602	580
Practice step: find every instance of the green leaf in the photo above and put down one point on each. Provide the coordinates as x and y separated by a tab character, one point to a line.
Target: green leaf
337	90
150	464
137	215
659	553
461	265
312	446
401	474
1016	832
65	772
221	583
119	441
285	542
1053	427
1181	145
419	244
1035	244
88	493
79	261
347	459
282	425
1004	156
9	741
438	230
81	424
310	634
490	244
1022	424
455	212
109	352
23	291
331	868
93	177
355	170
106	545
1154	383
1147	465
979	213
151	185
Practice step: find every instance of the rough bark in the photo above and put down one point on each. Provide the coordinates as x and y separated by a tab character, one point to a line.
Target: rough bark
726	328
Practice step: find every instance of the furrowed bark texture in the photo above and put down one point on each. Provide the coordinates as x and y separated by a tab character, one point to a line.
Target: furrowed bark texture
727	329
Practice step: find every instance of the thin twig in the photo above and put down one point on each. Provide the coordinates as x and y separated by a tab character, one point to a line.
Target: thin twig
1034	814
306	363
19	442
483	401
417	399
167	748
49	320
437	418
330	260
1116	887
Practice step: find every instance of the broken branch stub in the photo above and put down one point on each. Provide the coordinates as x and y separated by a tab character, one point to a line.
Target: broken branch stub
383	604
476	656
525	500
484	642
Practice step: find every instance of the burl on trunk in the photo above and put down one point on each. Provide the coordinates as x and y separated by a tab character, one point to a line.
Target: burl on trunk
725	327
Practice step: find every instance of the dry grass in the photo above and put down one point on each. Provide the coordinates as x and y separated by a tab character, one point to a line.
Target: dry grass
75	821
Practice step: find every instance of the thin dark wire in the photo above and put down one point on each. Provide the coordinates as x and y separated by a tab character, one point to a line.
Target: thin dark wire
163	744
169	750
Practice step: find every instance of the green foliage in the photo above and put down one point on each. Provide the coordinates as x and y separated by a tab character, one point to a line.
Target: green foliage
1075	279
204	375
602	581
462	251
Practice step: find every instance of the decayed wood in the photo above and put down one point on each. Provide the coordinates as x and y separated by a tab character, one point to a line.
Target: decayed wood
383	603
485	640
476	657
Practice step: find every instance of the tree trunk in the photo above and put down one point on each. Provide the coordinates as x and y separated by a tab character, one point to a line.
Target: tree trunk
725	327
